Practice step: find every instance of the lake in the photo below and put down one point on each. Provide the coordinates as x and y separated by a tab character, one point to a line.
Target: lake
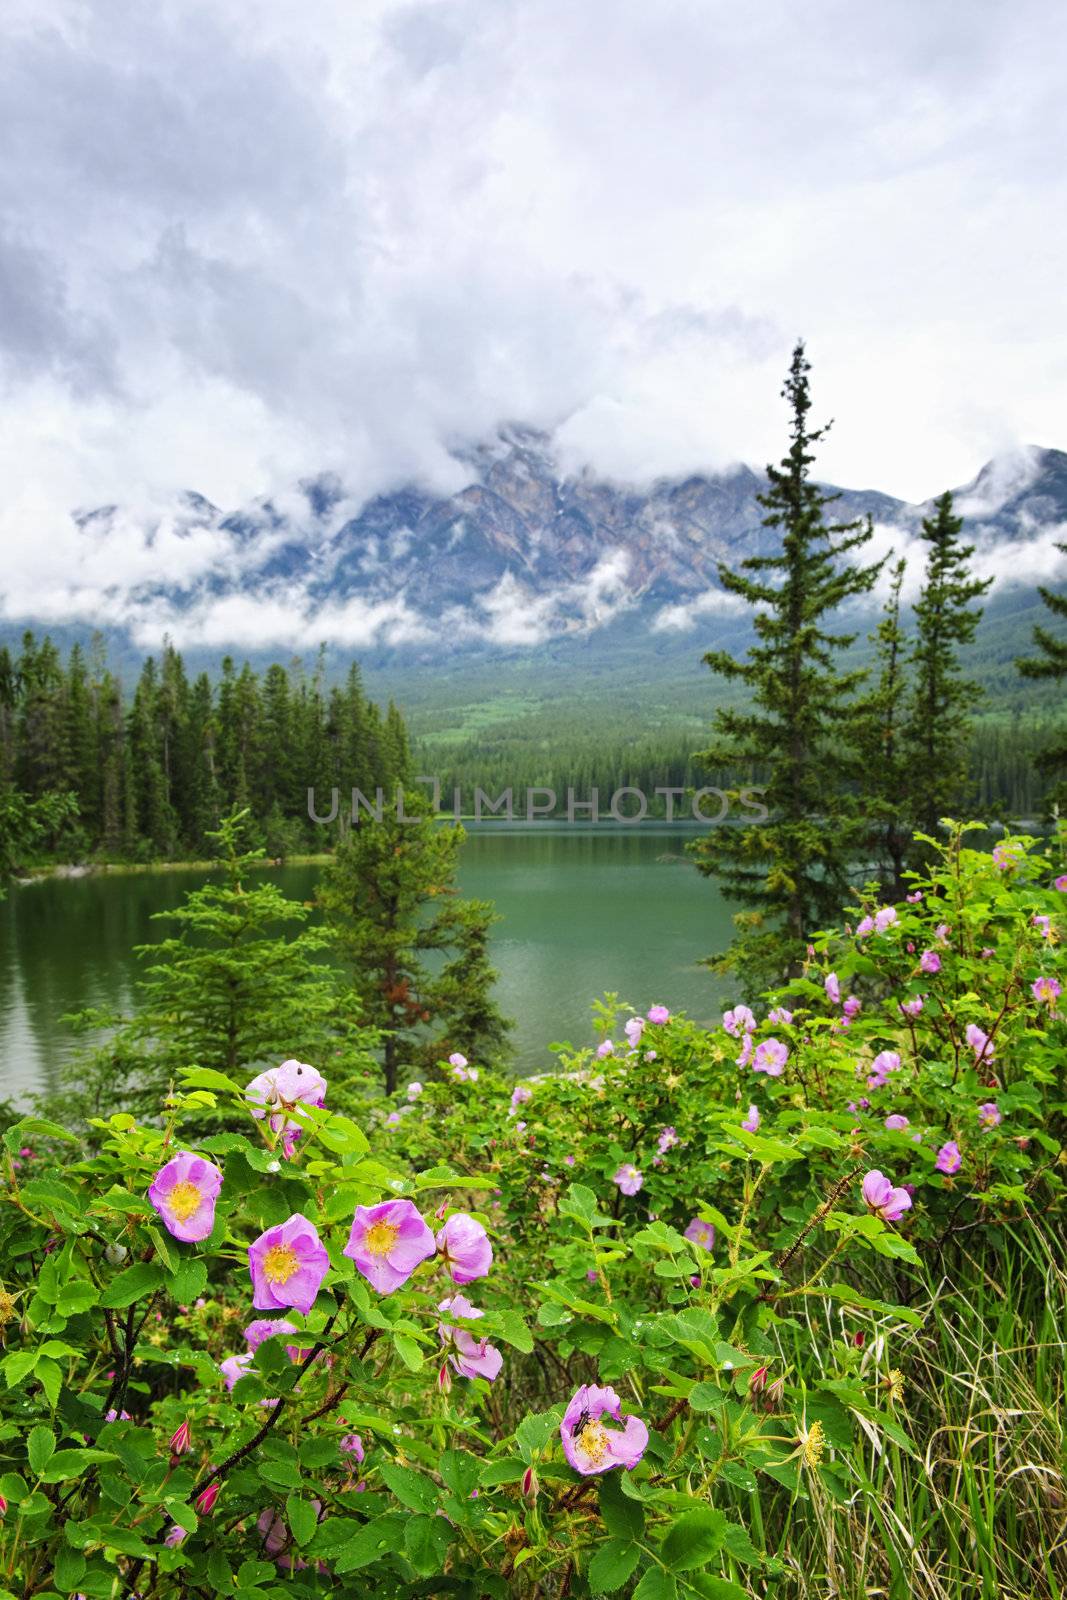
584	910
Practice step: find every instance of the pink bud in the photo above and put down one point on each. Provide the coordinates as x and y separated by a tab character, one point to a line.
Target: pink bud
857	1339
3	1505
758	1380
444	1379
529	1484
179	1439
205	1501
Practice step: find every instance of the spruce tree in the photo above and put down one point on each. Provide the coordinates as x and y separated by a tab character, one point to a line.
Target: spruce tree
799	726
242	984
1051	662
886	776
416	952
939	716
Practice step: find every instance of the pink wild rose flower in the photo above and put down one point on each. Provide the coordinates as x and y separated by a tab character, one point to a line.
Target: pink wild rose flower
883	1199
1046	990
896	1123
628	1178
949	1159
287	1264
990	1114
701	1233
833	988
464	1247
279	1090
184	1192
770	1057
751	1122
738	1020
589	1444
979	1042
658	1015
471	1357
387	1242
930	961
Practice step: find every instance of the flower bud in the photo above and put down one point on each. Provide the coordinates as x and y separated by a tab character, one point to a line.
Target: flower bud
857	1338
115	1254
758	1381
444	1379
775	1393
179	1439
205	1501
530	1485
3	1506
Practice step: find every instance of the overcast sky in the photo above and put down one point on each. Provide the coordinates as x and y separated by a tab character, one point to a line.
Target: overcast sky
247	240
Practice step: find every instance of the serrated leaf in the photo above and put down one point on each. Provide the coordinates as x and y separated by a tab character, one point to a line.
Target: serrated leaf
413	1489
408	1351
301	1517
141	1279
623	1518
40	1447
612	1565
656	1585
693	1539
426	1541
208	1078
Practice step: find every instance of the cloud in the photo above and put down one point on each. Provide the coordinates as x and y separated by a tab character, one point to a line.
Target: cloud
251	241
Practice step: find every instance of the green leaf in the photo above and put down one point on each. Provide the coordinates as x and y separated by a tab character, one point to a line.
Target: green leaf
208	1078
69	1569
578	1202
612	1565
302	1518
189	1281
50	1377
370	1541
412	1489
693	1539
512	1329
534	1432
344	1136
72	1463
140	1279
282	1474
40	1447
510	1470
22	1132
715	1588
460	1471
408	1351
17	1365
623	1518
656	1585
426	1541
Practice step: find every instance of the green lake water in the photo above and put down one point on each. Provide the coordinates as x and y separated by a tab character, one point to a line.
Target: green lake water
583	910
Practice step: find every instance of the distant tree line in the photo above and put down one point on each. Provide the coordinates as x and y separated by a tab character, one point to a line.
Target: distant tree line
150	775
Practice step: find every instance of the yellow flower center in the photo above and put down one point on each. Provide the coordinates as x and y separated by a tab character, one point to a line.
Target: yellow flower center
279	1263
381	1237
184	1199
593	1442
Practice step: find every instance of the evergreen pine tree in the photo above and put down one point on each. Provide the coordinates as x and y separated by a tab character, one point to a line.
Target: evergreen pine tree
1051	662
389	895
792	871
939	723
886	776
234	989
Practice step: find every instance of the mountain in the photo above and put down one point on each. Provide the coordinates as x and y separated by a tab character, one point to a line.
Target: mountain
522	568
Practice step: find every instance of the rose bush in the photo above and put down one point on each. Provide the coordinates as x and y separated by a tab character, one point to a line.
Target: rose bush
645	1325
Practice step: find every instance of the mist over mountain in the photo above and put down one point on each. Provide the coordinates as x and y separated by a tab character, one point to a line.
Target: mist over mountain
520	556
